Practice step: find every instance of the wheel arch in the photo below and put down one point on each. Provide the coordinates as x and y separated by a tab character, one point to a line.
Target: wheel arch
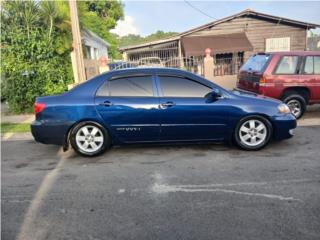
253	115
301	90
69	130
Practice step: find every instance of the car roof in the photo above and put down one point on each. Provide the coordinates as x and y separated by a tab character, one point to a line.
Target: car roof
300	53
159	70
150	70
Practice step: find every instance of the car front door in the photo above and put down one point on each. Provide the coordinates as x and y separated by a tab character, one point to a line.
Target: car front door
129	107
185	112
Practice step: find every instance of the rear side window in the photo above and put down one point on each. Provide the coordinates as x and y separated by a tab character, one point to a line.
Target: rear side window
312	65
135	86
172	86
256	63
287	65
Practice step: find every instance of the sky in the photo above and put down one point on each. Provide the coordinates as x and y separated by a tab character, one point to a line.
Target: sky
146	17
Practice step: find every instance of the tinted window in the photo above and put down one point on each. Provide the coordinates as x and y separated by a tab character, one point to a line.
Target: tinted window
256	63
137	86
287	65
182	87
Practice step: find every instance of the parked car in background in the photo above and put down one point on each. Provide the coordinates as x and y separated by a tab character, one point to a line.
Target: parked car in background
293	77
150	62
121	65
157	105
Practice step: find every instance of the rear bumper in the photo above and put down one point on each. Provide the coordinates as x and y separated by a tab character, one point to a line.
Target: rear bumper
50	132
284	126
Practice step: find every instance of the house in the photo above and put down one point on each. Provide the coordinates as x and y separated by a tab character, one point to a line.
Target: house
94	48
313	43
231	40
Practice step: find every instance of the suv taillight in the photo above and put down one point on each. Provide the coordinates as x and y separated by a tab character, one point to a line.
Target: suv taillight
262	81
38	107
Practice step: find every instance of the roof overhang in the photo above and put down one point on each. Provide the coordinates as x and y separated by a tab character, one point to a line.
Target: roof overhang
226	43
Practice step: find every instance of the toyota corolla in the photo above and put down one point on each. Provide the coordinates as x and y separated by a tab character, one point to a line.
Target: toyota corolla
157	105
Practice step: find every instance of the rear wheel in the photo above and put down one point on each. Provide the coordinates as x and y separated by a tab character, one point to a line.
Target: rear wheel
296	103
253	133
90	139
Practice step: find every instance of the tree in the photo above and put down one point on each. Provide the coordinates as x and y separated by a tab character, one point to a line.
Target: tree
100	17
133	39
32	64
36	43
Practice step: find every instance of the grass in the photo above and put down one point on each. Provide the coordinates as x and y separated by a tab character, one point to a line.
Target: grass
15	127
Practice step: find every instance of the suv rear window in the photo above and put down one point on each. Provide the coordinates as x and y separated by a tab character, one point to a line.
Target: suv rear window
256	63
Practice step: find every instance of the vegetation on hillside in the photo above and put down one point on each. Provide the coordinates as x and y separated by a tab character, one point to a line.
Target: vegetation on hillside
133	39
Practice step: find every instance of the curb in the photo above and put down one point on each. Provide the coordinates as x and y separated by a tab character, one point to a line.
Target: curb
8	135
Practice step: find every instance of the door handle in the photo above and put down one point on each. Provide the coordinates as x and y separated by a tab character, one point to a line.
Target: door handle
167	104
106	104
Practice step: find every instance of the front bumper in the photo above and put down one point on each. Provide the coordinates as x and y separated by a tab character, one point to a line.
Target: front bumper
284	126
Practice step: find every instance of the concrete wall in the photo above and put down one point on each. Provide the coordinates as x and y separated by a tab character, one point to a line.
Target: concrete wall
228	82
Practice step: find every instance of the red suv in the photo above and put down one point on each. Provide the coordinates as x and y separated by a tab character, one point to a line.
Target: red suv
293	77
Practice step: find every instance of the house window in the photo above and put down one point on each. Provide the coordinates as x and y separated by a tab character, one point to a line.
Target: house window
277	44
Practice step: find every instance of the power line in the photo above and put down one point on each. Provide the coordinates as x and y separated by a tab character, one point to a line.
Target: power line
199	10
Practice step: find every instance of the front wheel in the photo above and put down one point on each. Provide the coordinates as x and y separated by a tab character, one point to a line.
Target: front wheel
253	133
89	139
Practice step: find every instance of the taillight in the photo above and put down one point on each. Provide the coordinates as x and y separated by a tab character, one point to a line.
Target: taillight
262	81
38	107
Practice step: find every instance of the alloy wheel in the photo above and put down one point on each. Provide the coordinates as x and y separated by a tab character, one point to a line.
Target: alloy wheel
89	138
253	132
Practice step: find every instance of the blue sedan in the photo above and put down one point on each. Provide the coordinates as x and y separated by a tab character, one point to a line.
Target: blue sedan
157	105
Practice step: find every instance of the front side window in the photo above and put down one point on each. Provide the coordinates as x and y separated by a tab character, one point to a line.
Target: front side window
287	65
172	86
130	86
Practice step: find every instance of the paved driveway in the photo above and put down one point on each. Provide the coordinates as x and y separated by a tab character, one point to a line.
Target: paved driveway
176	192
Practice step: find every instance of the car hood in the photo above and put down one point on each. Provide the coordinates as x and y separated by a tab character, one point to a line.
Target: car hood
254	96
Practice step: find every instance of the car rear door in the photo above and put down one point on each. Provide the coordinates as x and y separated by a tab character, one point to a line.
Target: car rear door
129	107
310	76
186	114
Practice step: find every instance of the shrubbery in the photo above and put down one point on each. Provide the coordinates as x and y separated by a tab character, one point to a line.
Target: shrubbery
30	63
36	43
31	67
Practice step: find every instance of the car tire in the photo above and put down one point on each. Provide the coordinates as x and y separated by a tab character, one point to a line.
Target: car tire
90	139
296	103
253	133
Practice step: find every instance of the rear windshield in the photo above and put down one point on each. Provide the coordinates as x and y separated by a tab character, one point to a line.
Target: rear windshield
256	63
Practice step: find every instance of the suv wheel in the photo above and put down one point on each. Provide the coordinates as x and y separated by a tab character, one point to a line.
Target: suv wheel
253	133
90	139
297	104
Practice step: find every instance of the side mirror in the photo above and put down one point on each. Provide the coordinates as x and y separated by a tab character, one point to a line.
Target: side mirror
214	95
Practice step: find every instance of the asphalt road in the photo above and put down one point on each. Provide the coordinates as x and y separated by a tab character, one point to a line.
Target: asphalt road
162	192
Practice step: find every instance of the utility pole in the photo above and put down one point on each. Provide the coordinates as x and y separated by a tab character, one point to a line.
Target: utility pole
76	54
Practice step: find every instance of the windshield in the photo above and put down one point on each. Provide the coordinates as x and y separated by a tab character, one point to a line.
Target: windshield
256	63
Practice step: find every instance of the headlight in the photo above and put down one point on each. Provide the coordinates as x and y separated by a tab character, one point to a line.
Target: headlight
283	108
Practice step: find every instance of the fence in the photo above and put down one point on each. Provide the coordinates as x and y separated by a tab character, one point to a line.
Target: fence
227	66
222	66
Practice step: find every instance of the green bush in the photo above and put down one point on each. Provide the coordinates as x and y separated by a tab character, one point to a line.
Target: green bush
31	68
31	62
